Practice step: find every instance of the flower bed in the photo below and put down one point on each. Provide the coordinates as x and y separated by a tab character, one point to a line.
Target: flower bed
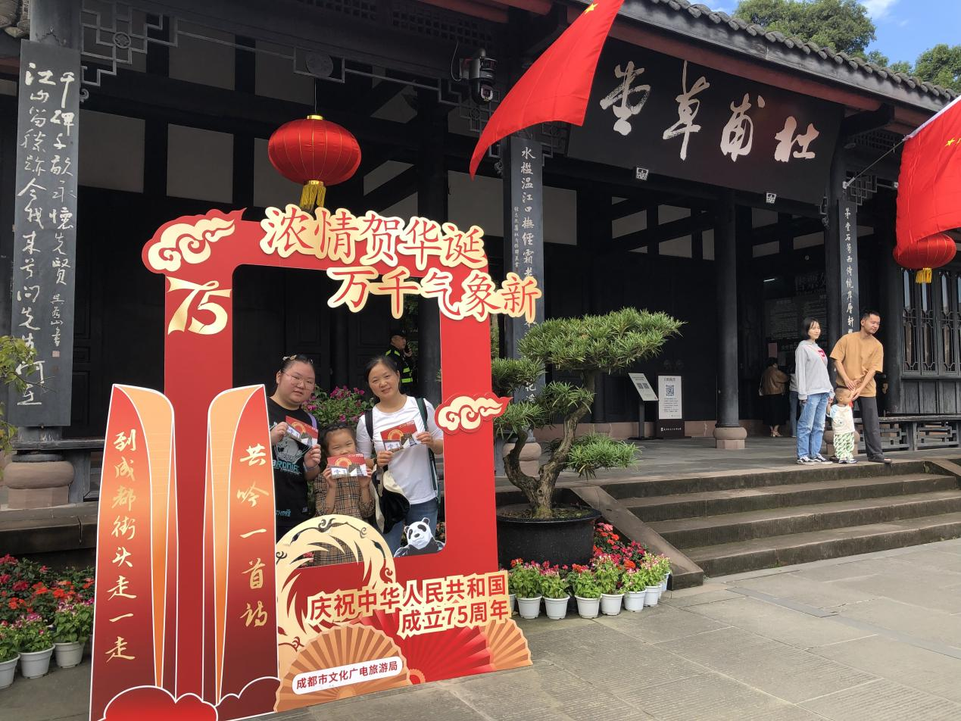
618	568
40	607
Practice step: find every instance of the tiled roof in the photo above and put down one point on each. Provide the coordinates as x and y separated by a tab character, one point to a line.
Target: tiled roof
706	15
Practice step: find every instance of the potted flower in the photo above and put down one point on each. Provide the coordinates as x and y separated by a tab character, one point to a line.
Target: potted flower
9	654
585	347
72	626
527	585
652	582
633	583
555	588
586	591
664	568
36	645
608	577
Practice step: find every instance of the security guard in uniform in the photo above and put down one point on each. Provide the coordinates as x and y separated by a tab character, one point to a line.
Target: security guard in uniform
402	356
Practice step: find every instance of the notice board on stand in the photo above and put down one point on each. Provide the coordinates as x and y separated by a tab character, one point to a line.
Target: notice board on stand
670	407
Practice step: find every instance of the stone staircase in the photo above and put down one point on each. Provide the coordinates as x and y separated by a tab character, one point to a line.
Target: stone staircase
731	523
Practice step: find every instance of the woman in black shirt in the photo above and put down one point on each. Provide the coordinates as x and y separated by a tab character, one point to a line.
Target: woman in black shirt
296	464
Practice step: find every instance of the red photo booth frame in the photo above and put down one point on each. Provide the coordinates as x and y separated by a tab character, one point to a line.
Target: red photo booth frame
198	256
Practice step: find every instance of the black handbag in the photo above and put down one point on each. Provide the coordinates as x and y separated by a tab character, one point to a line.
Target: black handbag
393	504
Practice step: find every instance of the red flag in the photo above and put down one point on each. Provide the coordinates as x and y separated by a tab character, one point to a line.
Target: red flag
558	85
929	191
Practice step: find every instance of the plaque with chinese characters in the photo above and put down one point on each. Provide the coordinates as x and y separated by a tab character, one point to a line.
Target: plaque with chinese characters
44	251
675	118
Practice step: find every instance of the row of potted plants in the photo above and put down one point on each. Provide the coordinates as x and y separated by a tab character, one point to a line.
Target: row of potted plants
604	585
42	612
32	641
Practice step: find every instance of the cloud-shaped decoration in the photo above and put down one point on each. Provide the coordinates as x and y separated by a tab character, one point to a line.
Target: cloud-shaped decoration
466	414
150	703
257	697
190	243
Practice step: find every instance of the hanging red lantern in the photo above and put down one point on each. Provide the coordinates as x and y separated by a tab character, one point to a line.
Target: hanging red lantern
316	153
924	254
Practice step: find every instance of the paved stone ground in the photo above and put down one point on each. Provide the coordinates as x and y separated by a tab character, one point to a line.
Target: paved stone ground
874	637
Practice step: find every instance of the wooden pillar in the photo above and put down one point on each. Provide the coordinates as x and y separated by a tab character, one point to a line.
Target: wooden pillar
728	433
432	191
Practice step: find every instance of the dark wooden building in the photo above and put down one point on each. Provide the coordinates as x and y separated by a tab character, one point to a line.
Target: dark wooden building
738	239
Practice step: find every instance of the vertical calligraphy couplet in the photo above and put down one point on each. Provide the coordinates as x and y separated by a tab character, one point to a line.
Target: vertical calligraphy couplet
131	593
45	228
240	521
524	204
848	252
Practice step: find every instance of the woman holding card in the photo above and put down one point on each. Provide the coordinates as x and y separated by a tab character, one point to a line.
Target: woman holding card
401	431
293	437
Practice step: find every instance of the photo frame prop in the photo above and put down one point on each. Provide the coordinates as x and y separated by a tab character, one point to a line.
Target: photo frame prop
238	625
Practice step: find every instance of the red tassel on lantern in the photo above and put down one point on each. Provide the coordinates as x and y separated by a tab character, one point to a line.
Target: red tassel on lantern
316	153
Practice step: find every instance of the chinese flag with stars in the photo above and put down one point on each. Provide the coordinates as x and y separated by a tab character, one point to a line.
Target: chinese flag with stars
929	191
558	85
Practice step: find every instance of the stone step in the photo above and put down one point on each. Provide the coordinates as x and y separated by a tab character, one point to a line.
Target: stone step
717	502
733	527
789	474
728	558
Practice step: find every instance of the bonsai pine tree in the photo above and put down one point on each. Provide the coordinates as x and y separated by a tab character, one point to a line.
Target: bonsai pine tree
586	346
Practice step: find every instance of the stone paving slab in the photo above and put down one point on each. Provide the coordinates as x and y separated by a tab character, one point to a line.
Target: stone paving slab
919	668
661	623
908	619
907	590
883	701
775	668
821	594
777	623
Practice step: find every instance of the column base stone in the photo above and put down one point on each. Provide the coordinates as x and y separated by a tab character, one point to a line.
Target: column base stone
530	456
730	438
38	484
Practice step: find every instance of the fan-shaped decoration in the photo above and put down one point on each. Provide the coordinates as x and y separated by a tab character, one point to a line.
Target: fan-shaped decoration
340	646
436	655
316	153
508	647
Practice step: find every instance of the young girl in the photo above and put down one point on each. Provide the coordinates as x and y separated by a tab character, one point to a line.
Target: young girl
344	495
842	421
410	465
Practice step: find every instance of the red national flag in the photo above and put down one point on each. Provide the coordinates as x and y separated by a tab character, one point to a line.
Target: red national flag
929	191
558	85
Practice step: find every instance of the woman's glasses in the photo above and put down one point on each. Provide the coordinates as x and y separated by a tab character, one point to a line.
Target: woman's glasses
298	380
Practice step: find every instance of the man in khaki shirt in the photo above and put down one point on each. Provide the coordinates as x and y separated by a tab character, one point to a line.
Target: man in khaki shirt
857	358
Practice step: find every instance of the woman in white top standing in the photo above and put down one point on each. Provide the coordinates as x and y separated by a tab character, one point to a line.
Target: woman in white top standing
411	465
814	389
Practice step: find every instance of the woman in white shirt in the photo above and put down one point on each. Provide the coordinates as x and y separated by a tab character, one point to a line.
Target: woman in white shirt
815	390
410	466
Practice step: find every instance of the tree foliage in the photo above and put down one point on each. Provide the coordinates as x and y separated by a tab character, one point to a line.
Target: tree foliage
841	25
940	65
585	346
16	363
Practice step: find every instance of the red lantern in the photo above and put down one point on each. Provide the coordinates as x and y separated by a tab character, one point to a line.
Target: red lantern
924	254
316	153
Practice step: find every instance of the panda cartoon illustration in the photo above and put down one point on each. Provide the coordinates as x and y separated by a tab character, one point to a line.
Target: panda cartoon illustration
420	540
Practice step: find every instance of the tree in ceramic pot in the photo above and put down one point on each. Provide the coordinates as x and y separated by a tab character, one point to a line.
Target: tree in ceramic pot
72	626
525	580
9	653
555	588
36	645
586	591
586	347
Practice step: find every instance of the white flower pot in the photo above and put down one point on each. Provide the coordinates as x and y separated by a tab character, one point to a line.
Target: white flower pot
529	607
513	598
611	603
68	654
7	671
35	665
651	594
556	607
587	607
634	600
664	583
